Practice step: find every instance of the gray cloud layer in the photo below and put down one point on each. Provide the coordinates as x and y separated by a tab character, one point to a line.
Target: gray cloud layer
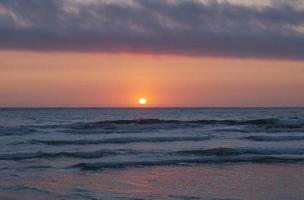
189	27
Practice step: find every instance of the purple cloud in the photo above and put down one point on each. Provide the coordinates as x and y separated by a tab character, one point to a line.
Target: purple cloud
198	28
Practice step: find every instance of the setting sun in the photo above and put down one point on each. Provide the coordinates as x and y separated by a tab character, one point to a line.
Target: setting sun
142	101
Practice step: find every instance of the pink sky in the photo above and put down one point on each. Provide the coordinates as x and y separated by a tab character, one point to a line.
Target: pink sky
115	80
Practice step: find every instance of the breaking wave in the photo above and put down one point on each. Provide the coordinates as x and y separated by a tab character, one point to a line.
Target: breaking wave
264	138
221	152
146	125
139	125
47	155
252	159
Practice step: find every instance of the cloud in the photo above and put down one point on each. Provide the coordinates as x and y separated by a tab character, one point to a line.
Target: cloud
188	27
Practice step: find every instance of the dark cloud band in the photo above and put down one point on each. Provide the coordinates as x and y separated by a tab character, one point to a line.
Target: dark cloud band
189	27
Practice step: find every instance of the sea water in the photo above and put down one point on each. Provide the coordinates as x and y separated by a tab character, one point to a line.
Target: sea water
153	153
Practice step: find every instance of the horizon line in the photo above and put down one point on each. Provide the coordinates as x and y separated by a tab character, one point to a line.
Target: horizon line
146	107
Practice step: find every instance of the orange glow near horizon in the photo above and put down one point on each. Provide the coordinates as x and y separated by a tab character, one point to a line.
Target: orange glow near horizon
111	80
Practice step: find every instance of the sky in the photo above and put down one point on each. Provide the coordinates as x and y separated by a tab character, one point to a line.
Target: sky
174	53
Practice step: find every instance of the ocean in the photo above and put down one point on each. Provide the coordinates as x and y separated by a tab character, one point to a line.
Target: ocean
152	153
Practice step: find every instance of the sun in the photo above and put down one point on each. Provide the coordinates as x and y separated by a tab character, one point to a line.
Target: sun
142	101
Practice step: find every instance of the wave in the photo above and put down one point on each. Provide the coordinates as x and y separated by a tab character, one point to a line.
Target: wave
267	124
7	131
47	155
252	159
161	121
146	125
118	140
215	152
274	138
221	152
